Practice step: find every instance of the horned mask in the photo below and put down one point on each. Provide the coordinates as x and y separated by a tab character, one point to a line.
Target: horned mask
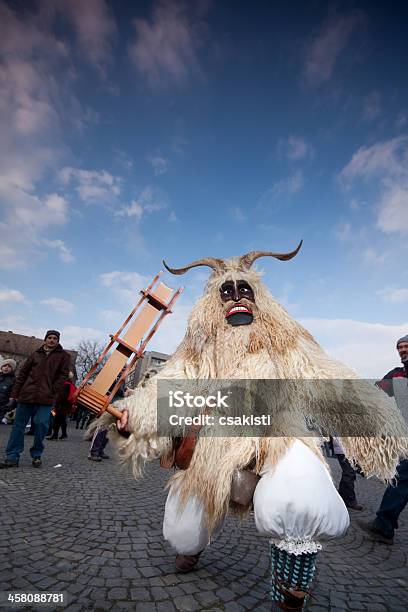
235	292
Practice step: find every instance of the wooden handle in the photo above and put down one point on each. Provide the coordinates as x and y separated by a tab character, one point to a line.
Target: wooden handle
114	411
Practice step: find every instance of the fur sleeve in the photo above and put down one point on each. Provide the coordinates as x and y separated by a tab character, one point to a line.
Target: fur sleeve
371	427
377	456
143	444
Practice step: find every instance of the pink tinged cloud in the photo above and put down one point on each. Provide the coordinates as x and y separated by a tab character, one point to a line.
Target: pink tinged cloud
165	49
35	100
26	88
95	28
326	47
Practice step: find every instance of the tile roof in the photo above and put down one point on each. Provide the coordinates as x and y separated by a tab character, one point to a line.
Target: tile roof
20	347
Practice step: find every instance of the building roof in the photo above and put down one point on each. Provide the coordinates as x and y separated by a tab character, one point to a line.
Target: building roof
18	344
157	355
22	346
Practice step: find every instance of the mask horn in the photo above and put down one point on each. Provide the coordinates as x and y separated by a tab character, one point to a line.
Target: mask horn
247	260
211	262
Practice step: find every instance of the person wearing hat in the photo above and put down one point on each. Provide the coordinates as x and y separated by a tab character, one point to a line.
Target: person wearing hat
38	387
7	379
395	498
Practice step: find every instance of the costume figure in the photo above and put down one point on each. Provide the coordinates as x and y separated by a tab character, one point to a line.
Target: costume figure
237	330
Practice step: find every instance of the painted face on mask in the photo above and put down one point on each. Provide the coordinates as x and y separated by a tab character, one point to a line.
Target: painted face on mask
237	295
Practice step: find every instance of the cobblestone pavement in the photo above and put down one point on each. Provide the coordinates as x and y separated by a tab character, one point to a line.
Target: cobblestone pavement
96	534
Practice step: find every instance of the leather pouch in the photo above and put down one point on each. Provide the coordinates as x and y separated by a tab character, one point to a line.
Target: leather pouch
181	453
184	452
243	486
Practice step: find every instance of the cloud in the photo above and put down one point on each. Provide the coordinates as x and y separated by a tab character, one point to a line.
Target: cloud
11	295
37	105
387	158
402	120
18	325
394	295
343	232
165	48
28	121
111	316
284	189
368	348
150	200
160	164
295	148
372	258
355	204
34	212
37	72
60	306
91	185
371	106
26	217
289	186
393	209
72	335
124	284
387	163
326	47
123	159
26	88
238	215
95	29
135	209
63	251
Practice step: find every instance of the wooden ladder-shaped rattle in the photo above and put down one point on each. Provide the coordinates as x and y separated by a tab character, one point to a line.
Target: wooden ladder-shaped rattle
142	324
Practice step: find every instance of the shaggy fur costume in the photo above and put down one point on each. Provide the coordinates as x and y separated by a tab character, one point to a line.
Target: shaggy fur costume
274	346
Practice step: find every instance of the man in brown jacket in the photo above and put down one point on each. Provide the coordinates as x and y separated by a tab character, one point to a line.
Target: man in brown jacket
38	387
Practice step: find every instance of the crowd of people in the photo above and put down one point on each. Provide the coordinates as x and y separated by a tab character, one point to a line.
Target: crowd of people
42	390
41	396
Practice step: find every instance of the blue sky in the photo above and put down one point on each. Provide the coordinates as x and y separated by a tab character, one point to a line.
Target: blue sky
133	132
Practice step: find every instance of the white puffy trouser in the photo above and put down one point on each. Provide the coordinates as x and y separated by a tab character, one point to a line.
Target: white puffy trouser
295	504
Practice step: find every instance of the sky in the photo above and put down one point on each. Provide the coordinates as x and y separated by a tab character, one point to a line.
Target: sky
133	132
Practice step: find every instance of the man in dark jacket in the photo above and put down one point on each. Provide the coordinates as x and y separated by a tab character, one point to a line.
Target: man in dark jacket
395	497
37	389
7	379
